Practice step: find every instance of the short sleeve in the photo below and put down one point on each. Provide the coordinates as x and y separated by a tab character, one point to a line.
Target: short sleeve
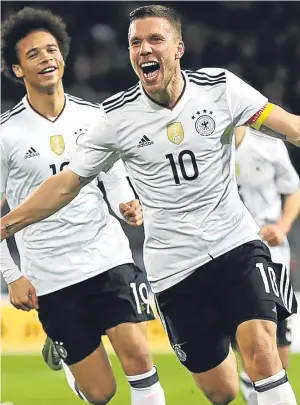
4	171
286	177
96	150
243	100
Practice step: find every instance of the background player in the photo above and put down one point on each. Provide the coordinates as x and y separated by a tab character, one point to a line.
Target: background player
265	174
202	249
78	261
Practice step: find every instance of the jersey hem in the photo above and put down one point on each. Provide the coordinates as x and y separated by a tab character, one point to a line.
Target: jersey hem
88	276
186	273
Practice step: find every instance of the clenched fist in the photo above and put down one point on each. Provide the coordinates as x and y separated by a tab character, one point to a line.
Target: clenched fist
132	212
22	294
273	234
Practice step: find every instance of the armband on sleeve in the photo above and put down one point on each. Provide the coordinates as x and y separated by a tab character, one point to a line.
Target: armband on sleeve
257	120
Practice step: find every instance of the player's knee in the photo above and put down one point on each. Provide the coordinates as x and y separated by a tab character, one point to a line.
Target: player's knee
221	398
136	358
138	363
98	396
223	395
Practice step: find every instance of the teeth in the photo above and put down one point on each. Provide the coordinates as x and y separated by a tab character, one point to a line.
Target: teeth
47	70
148	64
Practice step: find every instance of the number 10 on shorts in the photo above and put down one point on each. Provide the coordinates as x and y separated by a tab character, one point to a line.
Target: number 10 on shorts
285	290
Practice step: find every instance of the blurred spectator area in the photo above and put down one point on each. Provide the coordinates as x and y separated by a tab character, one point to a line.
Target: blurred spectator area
259	41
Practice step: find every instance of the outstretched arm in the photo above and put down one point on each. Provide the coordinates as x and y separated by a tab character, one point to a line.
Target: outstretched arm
274	121
52	195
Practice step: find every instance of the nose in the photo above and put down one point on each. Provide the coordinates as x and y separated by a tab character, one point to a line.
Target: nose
145	48
45	56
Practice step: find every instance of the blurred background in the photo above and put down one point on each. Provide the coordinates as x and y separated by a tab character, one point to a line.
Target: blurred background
259	41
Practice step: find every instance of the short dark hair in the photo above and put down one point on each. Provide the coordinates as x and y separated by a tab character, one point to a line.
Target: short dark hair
156	10
20	24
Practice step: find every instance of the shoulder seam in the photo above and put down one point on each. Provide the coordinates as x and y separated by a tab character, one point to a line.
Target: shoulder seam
124	101
80	101
208	83
6	113
117	99
203	75
16	112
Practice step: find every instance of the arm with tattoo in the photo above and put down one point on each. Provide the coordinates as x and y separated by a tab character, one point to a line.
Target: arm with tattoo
274	121
52	195
268	131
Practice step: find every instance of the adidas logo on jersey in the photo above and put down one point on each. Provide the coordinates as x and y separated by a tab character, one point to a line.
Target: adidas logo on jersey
31	153
145	141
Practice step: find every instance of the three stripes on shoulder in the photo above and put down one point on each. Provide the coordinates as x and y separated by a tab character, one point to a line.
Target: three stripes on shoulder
196	77
118	101
10	113
204	79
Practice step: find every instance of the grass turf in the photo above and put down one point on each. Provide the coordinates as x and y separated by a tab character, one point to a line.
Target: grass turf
26	380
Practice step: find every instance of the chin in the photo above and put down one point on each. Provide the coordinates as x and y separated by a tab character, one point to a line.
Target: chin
50	84
154	88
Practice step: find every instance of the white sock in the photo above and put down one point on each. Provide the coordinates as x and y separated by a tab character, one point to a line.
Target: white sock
146	389
72	383
248	391
275	390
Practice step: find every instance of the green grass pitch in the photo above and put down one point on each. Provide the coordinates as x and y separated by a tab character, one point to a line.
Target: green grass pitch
26	380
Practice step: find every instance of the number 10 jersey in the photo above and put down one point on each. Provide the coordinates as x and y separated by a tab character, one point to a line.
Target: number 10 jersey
183	167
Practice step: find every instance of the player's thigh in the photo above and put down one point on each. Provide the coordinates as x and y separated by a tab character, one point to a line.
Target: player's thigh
259	289
65	320
130	343
220	384
193	323
94	376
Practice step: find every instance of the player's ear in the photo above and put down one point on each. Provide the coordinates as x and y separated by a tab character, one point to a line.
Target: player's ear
180	50
18	71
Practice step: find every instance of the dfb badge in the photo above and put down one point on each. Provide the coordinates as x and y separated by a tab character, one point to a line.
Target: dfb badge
61	350
179	353
204	124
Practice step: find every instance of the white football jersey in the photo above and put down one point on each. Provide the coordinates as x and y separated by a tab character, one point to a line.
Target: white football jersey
81	240
264	173
183	166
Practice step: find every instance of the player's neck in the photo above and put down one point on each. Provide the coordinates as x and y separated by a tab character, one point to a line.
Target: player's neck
173	91
49	104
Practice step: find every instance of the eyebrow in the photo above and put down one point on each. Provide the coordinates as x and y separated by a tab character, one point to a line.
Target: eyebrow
154	34
36	48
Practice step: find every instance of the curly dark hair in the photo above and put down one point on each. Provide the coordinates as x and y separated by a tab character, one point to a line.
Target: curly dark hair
20	24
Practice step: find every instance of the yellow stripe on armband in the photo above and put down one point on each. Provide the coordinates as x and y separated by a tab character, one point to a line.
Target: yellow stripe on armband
264	114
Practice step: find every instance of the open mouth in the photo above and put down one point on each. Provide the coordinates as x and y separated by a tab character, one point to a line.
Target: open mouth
48	70
150	69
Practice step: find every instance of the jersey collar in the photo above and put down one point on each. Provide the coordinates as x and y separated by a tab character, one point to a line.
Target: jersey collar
30	108
180	103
